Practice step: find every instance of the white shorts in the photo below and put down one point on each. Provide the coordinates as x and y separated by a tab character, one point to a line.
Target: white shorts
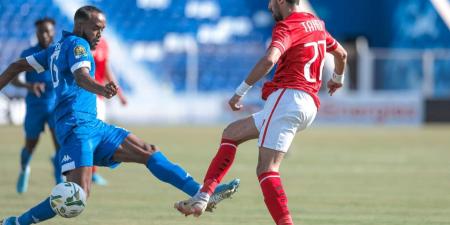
286	112
101	109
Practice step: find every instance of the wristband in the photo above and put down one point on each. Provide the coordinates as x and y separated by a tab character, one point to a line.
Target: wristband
243	89
338	78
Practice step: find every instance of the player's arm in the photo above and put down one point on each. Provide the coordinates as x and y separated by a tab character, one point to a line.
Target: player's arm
37	88
85	81
340	61
13	70
261	69
264	66
109	75
281	42
20	84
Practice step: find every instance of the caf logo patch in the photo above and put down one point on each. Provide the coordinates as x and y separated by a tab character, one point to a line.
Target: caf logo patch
79	51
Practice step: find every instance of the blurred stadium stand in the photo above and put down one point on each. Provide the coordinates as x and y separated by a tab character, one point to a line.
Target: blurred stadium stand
204	46
232	34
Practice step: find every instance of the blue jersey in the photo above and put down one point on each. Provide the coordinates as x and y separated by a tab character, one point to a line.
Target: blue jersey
32	77
62	59
84	139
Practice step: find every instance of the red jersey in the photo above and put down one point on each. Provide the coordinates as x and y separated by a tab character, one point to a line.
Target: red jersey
303	41
100	57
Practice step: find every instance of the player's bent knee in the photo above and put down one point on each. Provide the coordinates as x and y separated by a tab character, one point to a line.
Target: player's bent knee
68	199
230	132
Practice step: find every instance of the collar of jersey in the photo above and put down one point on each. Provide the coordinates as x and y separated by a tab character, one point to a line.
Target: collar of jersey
67	33
299	13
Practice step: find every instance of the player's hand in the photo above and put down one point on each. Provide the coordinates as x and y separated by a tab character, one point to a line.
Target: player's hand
37	89
110	90
333	87
235	102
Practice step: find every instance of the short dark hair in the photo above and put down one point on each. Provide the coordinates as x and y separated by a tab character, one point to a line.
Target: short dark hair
84	13
41	21
293	2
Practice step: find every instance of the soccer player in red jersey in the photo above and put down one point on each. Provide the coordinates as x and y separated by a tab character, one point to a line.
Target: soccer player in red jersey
103	75
299	44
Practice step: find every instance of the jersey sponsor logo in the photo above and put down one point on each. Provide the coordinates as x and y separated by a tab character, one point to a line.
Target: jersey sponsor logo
79	51
66	158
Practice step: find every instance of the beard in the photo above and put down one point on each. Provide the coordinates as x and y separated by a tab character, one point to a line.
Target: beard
277	18
276	13
92	44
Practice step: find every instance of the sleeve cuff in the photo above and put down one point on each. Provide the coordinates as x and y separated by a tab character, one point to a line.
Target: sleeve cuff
279	45
79	65
332	46
34	63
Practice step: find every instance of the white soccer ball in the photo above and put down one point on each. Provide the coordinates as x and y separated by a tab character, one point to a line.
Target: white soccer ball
68	199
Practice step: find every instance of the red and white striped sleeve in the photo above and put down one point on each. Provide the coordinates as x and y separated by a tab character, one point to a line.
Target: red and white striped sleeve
281	37
332	44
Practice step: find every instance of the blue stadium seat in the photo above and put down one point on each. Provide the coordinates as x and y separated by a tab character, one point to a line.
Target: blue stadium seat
222	66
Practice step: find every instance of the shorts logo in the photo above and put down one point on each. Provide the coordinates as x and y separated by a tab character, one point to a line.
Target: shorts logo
66	158
79	51
35	220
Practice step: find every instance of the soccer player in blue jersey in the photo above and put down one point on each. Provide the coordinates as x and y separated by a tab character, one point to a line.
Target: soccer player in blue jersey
40	102
85	140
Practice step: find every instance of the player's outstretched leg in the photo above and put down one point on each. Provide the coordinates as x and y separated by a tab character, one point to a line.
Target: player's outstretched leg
222	191
202	202
133	149
236	133
43	211
59	178
25	158
97	178
24	174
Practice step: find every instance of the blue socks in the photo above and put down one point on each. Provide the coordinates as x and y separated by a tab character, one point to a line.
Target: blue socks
25	157
171	173
158	165
43	211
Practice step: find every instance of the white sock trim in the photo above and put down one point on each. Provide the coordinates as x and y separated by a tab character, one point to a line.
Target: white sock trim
228	144
265	178
203	196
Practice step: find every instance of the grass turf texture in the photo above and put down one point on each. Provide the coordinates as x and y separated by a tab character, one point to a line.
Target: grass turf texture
333	176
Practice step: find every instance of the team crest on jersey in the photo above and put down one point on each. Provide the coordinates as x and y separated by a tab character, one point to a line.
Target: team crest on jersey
79	51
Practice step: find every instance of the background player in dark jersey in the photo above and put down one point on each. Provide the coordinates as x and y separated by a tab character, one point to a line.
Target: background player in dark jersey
40	104
299	44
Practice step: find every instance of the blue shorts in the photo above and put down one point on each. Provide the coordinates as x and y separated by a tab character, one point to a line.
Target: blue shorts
89	143
37	115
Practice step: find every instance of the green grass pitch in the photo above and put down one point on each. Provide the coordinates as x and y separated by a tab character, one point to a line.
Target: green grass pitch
333	176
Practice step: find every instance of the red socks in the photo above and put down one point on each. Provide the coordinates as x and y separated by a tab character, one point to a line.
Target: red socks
270	182
275	197
219	165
